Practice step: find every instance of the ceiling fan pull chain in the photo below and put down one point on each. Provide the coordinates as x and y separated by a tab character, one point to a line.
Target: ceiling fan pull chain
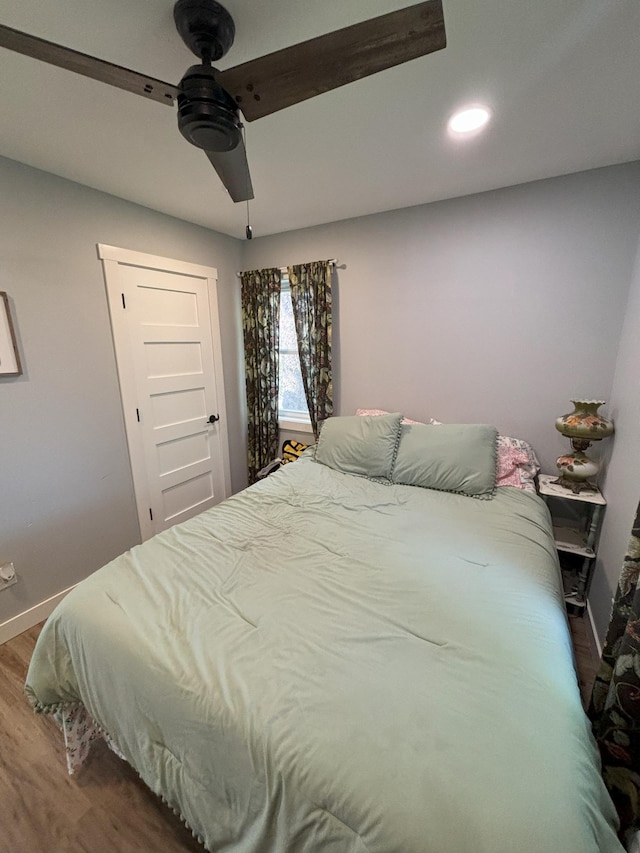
248	230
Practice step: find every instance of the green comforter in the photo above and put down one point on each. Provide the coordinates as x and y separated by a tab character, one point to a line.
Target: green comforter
323	663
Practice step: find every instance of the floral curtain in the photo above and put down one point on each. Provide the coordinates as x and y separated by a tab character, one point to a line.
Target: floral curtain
310	286
261	328
615	701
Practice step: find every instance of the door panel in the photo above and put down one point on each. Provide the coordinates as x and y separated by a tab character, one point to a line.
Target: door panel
168	348
176	308
172	358
179	406
180	453
187	495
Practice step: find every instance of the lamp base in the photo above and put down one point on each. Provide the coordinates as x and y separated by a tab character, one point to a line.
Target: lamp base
576	486
575	469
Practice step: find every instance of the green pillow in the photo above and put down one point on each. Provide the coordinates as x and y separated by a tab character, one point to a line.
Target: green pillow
450	457
359	445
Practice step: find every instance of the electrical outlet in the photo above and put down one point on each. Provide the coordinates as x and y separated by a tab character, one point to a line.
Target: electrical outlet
7	576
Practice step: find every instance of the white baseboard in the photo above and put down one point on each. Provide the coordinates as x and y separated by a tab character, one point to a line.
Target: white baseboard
593	630
23	621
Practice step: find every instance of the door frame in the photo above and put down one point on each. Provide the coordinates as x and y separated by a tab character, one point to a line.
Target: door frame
112	258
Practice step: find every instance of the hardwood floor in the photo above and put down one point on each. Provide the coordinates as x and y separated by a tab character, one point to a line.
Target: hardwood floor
587	658
105	808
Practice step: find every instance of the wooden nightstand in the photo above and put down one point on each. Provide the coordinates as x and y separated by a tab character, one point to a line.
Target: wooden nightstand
576	537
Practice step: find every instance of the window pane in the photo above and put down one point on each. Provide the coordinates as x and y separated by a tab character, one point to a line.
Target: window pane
291	398
288	338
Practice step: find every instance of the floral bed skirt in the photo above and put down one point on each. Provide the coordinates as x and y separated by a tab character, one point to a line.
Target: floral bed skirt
80	731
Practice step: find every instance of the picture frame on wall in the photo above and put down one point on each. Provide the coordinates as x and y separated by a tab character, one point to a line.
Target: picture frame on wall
9	357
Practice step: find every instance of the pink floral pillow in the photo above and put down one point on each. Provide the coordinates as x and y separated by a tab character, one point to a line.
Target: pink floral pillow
507	472
517	464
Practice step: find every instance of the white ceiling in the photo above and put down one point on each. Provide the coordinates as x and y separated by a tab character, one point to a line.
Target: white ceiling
561	76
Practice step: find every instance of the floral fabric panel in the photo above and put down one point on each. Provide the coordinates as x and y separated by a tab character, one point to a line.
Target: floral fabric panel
261	330
310	286
615	701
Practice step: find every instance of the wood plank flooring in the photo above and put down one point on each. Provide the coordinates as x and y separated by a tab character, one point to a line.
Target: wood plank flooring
105	808
586	652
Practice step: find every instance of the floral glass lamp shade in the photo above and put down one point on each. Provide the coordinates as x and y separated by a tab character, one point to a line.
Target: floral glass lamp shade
583	426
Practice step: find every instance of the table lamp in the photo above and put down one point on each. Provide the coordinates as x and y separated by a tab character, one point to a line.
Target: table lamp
583	426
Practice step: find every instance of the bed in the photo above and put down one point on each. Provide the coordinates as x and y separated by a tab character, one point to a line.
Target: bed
334	660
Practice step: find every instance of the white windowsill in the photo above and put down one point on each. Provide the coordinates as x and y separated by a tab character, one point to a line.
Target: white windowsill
292	424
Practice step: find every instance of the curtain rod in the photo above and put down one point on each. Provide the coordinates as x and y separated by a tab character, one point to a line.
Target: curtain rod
332	261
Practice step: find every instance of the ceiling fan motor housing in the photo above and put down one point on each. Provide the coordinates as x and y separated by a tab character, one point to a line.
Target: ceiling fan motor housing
207	116
205	27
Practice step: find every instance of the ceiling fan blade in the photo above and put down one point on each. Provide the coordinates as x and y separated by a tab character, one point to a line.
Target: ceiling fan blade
233	171
89	66
270	83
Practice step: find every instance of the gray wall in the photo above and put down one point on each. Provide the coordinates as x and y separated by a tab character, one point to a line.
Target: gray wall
66	497
497	307
493	308
622	481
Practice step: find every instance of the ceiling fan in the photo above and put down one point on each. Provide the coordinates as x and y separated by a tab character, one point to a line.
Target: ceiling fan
210	101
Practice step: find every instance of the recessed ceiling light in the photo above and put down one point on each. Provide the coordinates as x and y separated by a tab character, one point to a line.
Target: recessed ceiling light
467	120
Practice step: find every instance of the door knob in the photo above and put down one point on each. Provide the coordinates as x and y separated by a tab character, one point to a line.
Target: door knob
213	419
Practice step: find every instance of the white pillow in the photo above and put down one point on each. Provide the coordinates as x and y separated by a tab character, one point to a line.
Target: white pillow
376	413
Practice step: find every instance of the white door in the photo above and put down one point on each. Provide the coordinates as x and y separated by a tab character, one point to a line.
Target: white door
165	328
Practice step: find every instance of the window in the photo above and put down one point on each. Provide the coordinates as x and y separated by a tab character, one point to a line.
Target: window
293	412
